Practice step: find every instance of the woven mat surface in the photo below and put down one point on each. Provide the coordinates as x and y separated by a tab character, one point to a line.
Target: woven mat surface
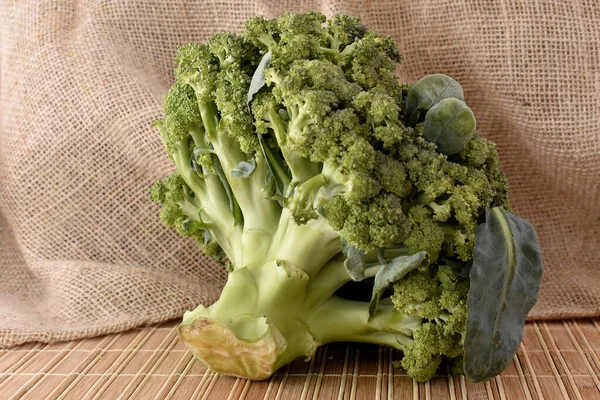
557	360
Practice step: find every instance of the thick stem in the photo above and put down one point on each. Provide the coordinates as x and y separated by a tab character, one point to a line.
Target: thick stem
256	326
191	210
181	157
325	283
340	320
260	224
260	323
210	118
308	246
370	272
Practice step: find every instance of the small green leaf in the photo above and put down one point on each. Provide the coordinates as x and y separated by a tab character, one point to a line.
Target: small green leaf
277	177
258	79
244	169
395	270
427	92
207	237
450	124
505	280
355	263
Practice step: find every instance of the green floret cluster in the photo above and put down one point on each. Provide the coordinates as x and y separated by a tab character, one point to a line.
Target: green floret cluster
334	107
439	297
303	164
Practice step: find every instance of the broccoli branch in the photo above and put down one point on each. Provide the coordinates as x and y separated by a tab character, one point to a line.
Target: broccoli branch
301	168
260	215
340	320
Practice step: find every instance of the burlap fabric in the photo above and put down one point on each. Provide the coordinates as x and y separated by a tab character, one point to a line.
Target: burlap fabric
82	251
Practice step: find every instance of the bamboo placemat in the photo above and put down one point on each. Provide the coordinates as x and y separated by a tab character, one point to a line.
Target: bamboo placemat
556	360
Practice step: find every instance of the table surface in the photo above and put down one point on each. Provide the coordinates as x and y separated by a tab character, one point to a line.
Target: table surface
557	359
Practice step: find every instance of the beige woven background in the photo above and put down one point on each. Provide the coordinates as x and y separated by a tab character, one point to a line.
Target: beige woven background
82	251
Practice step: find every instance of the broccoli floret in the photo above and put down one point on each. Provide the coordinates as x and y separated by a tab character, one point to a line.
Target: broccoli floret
426	234
180	207
343	30
440	298
298	168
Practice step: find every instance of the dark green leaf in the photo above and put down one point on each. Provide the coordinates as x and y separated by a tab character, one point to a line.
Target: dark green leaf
393	271
244	169
450	124
505	280
427	92
258	79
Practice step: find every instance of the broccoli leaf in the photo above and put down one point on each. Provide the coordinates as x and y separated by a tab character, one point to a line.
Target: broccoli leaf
393	271
355	263
258	79
426	93
244	169
505	280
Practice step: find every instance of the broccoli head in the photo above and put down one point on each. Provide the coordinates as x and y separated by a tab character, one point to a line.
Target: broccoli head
303	164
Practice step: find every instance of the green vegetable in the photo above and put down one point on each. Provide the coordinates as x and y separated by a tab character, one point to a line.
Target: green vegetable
427	92
450	124
302	165
505	280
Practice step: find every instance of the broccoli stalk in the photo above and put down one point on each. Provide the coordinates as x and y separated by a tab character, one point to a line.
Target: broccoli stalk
268	316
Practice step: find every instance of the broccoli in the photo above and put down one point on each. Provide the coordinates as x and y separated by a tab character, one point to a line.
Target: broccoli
302	165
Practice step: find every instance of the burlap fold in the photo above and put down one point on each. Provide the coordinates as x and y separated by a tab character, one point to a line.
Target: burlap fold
82	251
